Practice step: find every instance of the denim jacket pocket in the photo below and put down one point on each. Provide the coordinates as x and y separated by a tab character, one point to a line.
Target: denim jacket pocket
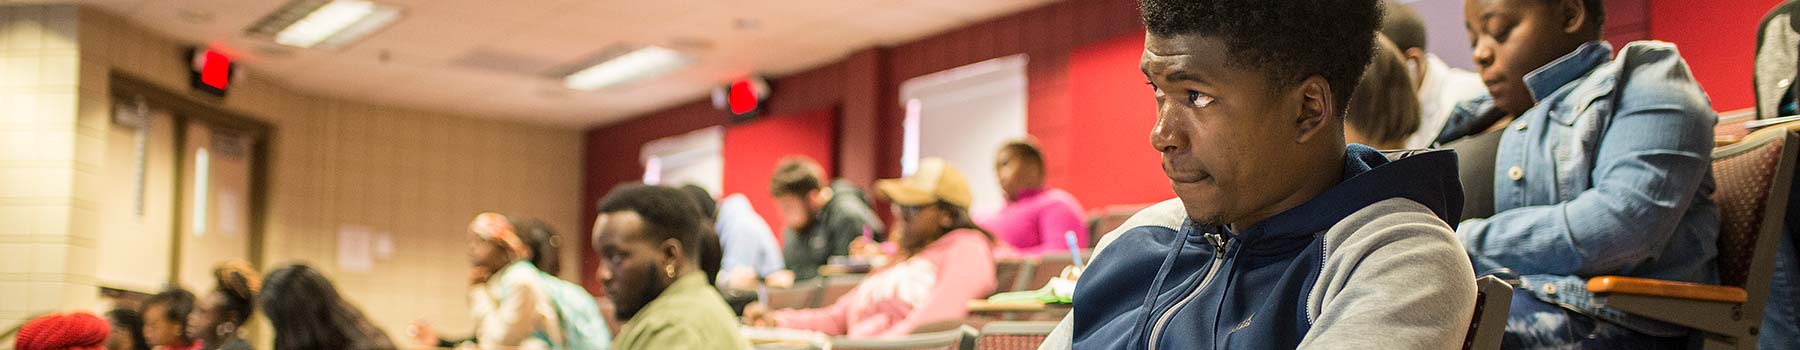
1575	140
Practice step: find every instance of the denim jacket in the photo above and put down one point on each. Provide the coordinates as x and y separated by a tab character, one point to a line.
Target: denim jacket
1608	174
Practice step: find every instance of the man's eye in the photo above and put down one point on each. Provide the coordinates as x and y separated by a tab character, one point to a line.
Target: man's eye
1154	89
1198	99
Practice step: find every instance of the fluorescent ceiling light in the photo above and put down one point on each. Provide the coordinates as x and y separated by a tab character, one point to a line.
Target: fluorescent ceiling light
643	63
325	24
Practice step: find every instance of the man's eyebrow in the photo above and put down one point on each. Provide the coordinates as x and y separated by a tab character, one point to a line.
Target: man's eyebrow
1183	75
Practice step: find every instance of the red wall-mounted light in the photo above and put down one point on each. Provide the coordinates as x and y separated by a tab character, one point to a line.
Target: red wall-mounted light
215	70
744	98
210	70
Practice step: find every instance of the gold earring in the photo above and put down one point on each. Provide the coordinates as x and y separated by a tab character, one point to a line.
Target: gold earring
669	269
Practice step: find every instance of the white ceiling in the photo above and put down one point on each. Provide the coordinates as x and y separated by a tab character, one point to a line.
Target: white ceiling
430	49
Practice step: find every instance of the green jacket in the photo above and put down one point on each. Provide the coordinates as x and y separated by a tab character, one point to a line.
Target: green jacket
690	314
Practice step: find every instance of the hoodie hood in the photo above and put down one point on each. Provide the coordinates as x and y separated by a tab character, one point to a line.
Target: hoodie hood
1425	176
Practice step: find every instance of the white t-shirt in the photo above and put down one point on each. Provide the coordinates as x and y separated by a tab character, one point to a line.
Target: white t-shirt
1443	88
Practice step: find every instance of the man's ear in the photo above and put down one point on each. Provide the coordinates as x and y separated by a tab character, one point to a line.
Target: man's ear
1574	15
674	256
1414	54
1317	108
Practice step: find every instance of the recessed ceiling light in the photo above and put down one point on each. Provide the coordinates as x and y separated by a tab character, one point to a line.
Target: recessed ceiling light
643	63
324	24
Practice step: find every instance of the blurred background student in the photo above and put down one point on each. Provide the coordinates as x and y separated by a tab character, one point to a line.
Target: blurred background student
219	317
166	318
510	305
1384	110
821	221
647	238
1440	87
577	312
1037	217
945	262
749	248
127	330
306	312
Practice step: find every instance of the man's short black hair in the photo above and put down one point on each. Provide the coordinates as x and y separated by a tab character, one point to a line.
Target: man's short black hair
1402	26
667	213
1287	40
1024	149
704	199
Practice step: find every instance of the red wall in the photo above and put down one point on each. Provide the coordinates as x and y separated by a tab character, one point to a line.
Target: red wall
862	87
1118	166
753	149
612	151
1718	39
1048	36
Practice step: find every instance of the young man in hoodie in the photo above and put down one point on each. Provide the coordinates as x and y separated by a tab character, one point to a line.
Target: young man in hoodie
1291	239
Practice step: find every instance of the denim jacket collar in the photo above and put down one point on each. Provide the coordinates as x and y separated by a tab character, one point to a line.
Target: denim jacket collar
1552	76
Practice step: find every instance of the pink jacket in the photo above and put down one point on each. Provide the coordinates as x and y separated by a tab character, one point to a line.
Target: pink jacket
1036	221
934	285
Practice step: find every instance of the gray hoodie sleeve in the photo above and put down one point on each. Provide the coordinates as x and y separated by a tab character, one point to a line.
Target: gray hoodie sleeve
1395	277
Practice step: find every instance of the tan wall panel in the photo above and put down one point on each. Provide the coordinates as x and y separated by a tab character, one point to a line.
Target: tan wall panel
416	176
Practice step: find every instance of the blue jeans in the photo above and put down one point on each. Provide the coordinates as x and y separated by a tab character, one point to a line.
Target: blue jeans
1534	324
1782	313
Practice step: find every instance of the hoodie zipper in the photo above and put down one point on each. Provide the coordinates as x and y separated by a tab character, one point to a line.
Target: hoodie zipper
1219	243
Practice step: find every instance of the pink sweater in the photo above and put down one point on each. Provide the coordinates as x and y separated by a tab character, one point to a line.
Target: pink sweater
934	285
1034	223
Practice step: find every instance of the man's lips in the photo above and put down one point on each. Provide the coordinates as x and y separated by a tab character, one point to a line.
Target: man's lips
1186	176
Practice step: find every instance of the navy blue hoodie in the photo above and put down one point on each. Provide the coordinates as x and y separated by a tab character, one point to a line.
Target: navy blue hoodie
1202	287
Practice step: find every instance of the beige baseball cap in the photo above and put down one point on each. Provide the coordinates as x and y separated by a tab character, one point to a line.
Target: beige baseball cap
935	180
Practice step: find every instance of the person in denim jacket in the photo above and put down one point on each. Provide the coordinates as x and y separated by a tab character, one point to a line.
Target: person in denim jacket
1604	168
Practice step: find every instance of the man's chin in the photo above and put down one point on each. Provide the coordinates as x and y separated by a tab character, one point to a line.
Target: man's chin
1204	211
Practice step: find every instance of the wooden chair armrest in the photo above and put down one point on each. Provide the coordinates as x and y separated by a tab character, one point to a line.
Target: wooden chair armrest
1670	289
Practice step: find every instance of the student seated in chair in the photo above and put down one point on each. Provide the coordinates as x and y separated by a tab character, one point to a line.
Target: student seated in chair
1604	168
1037	218
944	261
821	219
1291	238
1384	111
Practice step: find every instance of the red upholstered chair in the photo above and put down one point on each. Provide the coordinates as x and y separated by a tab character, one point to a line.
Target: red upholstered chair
1009	275
1013	335
959	338
1754	176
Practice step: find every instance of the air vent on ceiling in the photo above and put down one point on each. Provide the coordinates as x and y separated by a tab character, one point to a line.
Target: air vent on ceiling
499	61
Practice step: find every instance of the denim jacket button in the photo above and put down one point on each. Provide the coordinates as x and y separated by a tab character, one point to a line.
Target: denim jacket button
1515	173
1520	126
1550	289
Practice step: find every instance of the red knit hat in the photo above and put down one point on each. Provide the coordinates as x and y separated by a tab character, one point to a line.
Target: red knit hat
64	331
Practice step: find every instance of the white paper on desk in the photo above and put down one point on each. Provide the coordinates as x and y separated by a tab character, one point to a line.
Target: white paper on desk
355	249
